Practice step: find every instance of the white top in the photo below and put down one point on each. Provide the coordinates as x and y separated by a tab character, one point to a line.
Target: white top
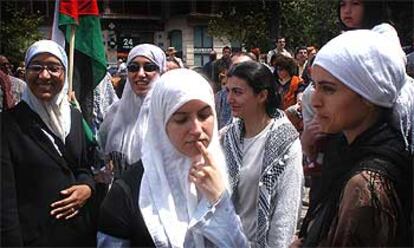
246	206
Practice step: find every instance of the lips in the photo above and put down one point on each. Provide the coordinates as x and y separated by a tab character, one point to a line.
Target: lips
142	83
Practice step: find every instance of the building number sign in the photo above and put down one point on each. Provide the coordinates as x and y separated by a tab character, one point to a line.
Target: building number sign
127	43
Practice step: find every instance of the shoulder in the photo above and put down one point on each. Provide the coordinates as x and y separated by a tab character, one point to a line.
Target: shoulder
364	187
20	113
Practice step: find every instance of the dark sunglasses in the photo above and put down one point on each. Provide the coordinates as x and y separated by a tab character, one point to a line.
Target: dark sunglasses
148	67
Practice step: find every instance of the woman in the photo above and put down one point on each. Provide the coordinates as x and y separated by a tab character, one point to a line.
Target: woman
366	197
46	178
176	195
124	126
264	158
288	83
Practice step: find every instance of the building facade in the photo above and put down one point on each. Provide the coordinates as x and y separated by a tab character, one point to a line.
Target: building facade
127	23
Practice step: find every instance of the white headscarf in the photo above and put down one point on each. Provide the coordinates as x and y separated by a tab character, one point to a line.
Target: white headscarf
167	198
55	113
371	64
128	117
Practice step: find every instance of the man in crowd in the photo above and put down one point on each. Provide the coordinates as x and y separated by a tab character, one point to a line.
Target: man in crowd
301	57
220	67
279	49
11	87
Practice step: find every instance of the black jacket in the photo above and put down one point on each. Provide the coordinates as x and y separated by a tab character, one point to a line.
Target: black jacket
32	176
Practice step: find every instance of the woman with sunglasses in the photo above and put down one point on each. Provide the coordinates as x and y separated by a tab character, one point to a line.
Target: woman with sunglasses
46	182
177	194
124	126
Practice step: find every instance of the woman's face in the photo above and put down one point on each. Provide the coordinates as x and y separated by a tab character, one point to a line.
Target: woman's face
337	107
351	13
242	99
141	74
282	73
45	76
192	122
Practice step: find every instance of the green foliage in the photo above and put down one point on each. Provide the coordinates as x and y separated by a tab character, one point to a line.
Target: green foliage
18	31
308	22
242	21
258	22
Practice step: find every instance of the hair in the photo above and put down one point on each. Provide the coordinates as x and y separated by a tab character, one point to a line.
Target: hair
259	78
280	37
213	55
226	47
375	13
300	48
288	64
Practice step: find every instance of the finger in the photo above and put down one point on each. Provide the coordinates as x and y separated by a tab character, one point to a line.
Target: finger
197	172
63	209
72	215
64	202
68	190
206	155
62	212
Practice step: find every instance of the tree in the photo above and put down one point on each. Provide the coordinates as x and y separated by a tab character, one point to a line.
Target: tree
243	21
257	23
18	31
308	22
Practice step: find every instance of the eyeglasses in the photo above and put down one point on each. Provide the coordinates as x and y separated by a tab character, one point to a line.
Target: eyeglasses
148	67
54	70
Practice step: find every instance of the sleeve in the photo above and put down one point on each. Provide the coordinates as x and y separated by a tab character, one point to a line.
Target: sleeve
219	223
115	214
10	225
367	213
105	240
83	171
288	201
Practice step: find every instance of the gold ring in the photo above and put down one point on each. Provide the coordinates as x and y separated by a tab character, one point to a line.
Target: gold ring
73	210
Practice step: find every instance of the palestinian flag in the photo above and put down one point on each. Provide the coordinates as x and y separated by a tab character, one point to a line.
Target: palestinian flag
89	60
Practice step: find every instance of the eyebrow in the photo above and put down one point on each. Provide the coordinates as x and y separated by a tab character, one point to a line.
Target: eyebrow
201	110
324	82
39	62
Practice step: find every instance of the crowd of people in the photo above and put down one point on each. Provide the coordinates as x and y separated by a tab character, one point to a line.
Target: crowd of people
216	157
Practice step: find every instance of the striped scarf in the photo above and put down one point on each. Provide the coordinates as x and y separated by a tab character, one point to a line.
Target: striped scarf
280	137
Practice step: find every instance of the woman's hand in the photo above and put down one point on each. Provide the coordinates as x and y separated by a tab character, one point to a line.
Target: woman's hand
296	243
207	177
76	197
310	135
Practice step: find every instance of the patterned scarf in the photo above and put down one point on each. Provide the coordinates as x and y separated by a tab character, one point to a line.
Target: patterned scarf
280	137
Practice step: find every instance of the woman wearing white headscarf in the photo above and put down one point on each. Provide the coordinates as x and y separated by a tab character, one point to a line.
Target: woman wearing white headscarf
124	126
177	195
46	180
366	196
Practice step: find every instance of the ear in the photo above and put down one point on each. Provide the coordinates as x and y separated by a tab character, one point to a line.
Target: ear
262	96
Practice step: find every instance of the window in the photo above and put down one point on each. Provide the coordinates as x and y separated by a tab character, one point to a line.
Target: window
203	44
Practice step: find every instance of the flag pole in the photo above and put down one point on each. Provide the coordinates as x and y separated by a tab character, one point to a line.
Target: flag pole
71	57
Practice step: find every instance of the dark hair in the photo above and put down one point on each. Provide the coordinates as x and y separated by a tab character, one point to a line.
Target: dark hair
375	13
225	48
288	64
259	78
300	48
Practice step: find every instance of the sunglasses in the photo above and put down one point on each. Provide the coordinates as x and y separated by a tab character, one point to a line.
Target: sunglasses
148	67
